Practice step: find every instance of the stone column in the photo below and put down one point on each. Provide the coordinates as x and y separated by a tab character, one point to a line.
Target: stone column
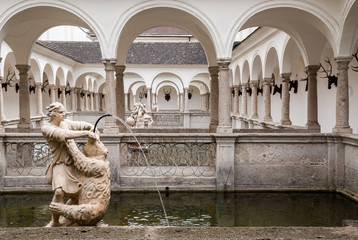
110	125
85	103
312	104
181	104
24	97
100	102
342	97
73	99
63	96
52	94
254	85
91	101
39	102
149	99
236	100
95	102
244	100
120	95
285	105
208	101
202	102
79	105
126	100
267	98
225	125
214	98
2	115
186	100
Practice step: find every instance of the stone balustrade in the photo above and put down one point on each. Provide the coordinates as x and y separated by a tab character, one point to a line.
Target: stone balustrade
223	162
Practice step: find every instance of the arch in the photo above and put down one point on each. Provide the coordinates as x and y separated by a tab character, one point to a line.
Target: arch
309	25
256	68
89	83
69	79
167	77
48	70
61	76
202	87
245	72
157	14
231	78
271	62
349	34
23	23
130	78
289	55
168	83
35	70
237	80
83	77
204	79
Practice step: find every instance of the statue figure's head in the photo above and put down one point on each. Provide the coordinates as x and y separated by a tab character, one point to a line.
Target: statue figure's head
56	110
94	148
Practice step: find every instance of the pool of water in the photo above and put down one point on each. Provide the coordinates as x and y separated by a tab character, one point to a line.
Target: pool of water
195	209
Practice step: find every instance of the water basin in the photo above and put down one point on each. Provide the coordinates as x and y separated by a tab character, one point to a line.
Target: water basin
195	209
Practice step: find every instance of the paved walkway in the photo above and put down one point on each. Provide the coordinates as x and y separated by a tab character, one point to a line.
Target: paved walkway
180	233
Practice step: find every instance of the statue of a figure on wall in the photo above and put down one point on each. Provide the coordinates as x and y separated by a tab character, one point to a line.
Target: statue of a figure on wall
139	117
84	178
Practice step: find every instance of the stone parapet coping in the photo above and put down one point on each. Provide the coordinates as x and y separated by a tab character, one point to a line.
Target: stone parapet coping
162	232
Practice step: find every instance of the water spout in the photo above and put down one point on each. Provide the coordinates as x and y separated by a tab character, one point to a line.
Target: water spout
141	149
105	115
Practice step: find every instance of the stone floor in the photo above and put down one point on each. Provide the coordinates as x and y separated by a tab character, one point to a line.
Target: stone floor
266	233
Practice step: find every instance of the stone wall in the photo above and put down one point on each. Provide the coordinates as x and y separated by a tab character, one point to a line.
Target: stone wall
242	162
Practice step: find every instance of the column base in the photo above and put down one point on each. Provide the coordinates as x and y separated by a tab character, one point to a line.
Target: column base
337	129
24	126
224	129
286	122
255	116
313	127
268	119
212	128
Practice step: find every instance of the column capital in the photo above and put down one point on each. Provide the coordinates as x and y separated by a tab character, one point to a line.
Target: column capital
109	64
23	68
343	62
37	84
286	77
214	70
254	83
223	63
1	78
267	81
243	85
312	69
119	69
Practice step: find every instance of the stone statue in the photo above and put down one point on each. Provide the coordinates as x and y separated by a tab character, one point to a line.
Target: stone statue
139	117
94	195
62	173
155	107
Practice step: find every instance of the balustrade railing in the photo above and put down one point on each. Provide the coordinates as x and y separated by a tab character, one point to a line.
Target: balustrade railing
169	159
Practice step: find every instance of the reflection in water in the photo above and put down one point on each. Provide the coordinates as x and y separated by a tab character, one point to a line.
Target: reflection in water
195	209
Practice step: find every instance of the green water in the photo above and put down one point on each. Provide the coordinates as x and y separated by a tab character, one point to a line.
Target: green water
195	209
